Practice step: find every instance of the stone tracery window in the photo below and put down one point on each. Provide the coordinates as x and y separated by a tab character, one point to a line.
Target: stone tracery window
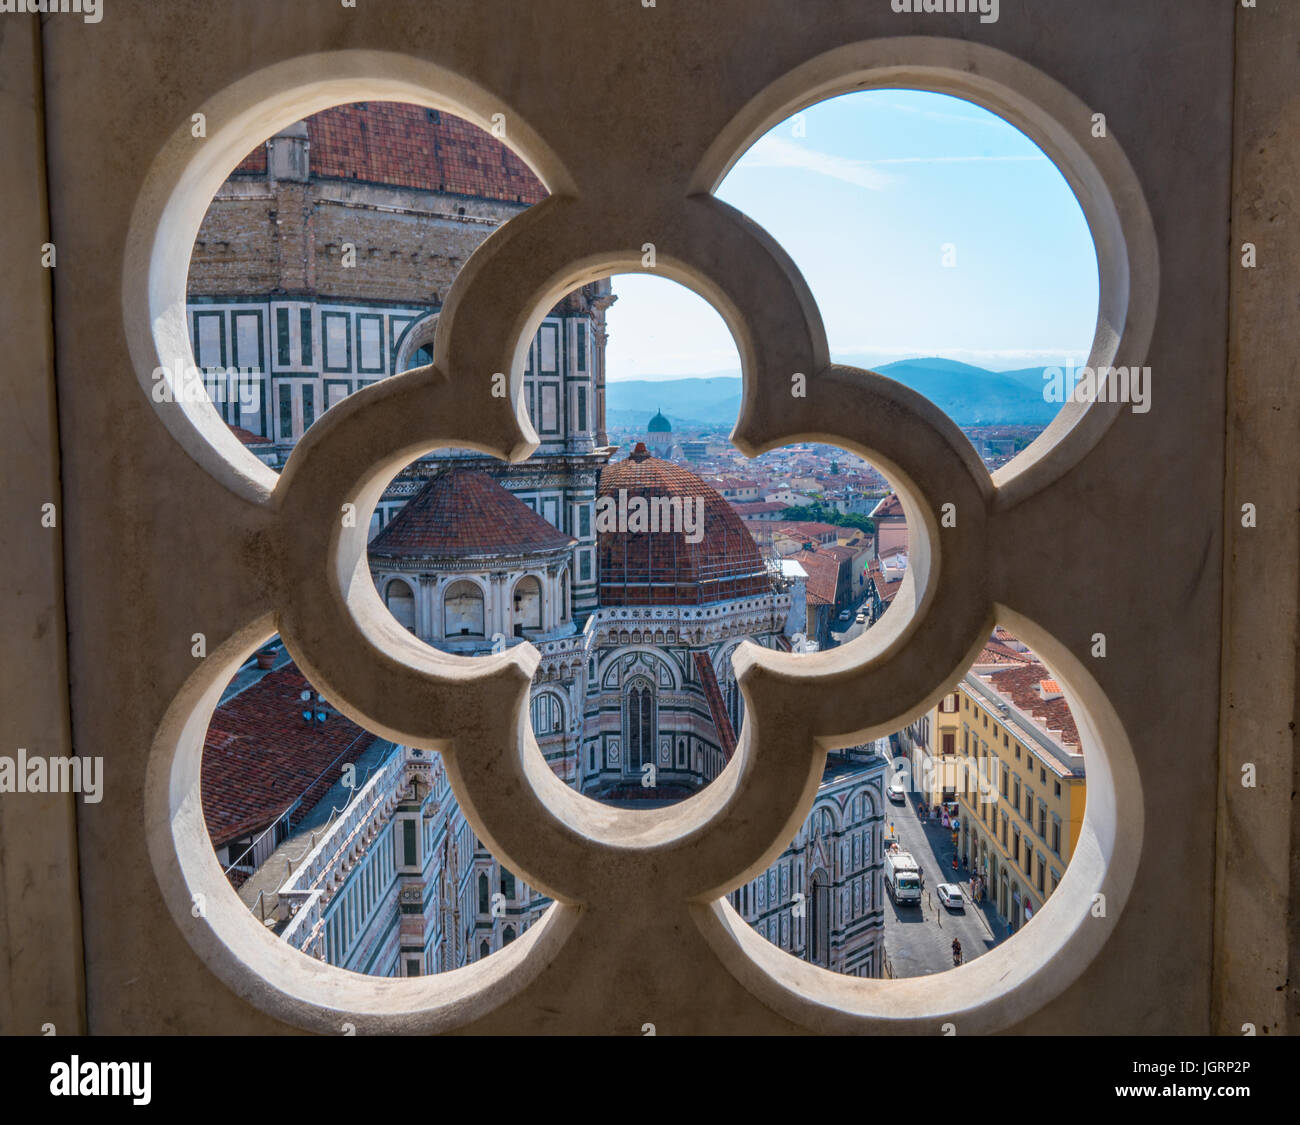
639	724
547	714
641	746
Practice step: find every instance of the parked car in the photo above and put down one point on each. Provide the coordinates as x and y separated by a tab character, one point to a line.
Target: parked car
897	791
846	615
950	895
861	619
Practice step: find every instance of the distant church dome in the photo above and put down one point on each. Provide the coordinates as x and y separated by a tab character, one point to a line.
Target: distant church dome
663	567
659	425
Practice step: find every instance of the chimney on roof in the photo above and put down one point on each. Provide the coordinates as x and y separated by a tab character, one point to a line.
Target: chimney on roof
1049	690
639	452
286	154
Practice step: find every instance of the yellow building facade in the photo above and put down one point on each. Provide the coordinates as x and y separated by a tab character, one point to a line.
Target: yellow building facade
1022	786
931	746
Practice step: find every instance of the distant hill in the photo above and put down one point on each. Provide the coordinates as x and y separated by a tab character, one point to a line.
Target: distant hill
1028	376
971	396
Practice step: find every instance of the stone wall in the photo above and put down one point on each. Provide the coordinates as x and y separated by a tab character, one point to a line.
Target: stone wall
261	236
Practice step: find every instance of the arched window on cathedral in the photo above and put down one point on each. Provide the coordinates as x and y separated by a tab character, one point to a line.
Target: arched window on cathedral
819	919
400	600
547	714
462	610
825	825
483	950
731	696
508	935
639	724
484	905
527	601
507	883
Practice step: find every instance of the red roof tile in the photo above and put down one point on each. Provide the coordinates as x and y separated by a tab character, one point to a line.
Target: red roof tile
1020	685
823	575
885	589
995	652
664	568
756	507
259	756
842	553
410	146
464	513
248	437
811	528
889	507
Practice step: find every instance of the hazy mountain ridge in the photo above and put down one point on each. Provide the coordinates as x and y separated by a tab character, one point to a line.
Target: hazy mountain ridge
971	396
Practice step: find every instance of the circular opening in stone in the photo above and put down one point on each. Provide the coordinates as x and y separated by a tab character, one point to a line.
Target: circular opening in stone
323	260
944	249
345	846
957	828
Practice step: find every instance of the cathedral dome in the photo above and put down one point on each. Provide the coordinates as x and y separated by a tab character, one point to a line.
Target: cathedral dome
464	514
664	567
659	424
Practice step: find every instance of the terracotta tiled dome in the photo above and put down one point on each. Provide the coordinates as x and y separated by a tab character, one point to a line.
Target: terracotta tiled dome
410	146
663	568
465	514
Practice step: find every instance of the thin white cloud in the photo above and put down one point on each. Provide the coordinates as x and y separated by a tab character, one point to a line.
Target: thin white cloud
960	160
993	120
777	152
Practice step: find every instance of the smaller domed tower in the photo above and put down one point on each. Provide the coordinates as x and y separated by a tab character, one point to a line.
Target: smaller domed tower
659	437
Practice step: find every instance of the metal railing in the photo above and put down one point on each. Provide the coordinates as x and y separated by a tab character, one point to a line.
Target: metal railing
302	887
260	852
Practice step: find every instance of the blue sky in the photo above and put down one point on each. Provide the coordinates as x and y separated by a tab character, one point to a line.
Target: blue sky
865	201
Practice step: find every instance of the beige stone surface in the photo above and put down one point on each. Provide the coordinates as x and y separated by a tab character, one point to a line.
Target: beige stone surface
40	920
1257	977
1114	523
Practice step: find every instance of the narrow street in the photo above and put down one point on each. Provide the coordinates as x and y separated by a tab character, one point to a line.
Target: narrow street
918	941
